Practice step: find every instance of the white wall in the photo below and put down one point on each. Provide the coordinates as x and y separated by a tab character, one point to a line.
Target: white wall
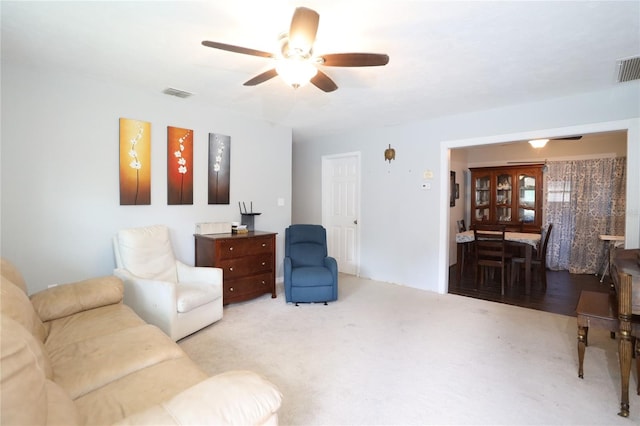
458	164
60	188
404	229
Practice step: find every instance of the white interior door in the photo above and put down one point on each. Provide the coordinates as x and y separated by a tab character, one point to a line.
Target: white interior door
341	208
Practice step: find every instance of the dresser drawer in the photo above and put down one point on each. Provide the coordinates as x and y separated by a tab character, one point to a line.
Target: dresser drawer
247	262
244	247
246	288
246	265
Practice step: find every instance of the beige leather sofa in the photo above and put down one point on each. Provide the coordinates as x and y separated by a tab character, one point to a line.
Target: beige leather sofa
75	354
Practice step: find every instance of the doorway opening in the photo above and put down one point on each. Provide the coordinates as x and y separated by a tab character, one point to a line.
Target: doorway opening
449	218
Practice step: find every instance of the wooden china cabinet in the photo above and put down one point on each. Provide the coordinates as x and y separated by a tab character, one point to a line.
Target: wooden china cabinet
507	195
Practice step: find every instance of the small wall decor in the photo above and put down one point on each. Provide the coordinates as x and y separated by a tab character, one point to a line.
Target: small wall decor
135	162
219	168
389	154
179	166
452	189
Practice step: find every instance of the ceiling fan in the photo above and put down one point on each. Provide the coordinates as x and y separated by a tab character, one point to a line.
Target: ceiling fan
568	138
296	62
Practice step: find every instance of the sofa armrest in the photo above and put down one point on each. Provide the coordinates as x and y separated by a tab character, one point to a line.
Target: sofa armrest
68	299
332	264
232	398
198	274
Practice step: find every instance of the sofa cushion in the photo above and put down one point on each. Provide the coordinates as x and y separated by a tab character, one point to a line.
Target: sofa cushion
147	253
311	276
68	299
22	376
138	391
86	365
89	324
60	408
15	304
232	398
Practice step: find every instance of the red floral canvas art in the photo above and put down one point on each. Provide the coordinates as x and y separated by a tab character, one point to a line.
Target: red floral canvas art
179	166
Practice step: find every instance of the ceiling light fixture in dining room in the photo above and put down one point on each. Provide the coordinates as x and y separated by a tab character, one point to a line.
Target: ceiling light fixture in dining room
538	143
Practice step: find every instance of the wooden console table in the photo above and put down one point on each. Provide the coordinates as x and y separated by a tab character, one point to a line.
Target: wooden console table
625	273
248	262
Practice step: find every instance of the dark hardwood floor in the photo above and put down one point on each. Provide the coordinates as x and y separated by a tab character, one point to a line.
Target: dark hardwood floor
561	296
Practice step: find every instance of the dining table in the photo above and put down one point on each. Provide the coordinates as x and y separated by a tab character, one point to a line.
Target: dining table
527	240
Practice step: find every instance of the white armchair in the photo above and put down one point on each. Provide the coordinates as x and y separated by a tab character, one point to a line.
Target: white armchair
178	298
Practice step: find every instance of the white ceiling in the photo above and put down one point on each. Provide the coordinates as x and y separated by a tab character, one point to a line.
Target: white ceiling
445	57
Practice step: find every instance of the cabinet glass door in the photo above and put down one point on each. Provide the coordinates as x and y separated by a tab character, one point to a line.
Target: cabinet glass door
504	188
526	198
482	197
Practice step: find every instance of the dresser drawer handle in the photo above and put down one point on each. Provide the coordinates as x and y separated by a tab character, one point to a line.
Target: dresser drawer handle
230	288
230	248
231	269
264	263
264	244
263	282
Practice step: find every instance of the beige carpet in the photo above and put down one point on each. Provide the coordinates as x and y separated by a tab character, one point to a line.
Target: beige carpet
387	354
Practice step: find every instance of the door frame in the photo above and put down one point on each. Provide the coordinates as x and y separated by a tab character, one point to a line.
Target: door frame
632	225
325	195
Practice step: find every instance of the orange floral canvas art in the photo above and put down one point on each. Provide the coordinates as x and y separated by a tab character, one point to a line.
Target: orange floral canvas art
179	166
135	162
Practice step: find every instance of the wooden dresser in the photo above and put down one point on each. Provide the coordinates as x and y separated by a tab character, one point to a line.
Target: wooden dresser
248	262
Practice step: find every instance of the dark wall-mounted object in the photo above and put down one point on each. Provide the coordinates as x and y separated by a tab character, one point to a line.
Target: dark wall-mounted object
453	190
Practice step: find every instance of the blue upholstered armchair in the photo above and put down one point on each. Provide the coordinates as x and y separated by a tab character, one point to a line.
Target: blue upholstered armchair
309	274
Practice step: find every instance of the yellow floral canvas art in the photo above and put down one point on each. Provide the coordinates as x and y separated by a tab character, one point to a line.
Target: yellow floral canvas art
135	162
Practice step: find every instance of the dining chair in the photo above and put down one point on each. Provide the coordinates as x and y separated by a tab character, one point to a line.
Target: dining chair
539	262
490	251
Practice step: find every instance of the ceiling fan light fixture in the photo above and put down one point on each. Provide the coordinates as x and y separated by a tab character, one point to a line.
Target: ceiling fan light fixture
299	46
296	62
296	72
538	143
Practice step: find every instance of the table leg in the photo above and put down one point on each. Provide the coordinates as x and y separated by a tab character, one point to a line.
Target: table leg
624	352
624	341
527	268
582	344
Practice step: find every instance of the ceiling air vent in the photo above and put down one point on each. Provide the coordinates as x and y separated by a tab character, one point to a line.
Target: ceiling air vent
629	69
176	92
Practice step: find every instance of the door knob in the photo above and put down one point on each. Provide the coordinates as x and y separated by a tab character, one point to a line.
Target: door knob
355	222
